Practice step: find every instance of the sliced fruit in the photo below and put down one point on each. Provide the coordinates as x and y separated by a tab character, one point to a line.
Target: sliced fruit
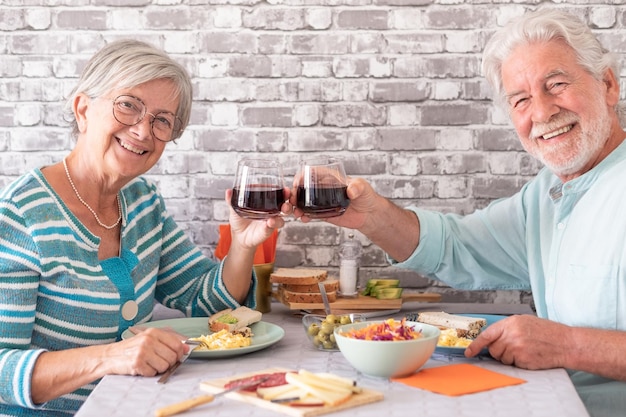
389	293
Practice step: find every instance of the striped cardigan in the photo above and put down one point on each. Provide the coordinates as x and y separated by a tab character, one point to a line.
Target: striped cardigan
56	294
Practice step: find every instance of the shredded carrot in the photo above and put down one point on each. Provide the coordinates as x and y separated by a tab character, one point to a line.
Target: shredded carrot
389	330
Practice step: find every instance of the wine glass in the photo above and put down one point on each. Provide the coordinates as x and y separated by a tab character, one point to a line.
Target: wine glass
321	187
258	191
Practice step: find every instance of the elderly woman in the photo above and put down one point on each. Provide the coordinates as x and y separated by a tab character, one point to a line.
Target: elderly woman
87	245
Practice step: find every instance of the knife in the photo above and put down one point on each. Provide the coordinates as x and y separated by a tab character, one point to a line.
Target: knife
174	409
324	298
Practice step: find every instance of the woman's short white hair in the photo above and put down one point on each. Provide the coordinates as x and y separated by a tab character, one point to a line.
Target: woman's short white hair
541	26
126	64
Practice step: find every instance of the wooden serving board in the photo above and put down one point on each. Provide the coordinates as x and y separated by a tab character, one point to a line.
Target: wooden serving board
364	302
216	386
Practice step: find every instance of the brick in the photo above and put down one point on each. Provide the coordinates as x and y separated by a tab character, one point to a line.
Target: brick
363	164
7	116
211	188
320	43
219	42
361	67
352	115
274	18
176	18
224	90
446	90
224	114
498	140
318	18
272	43
361	140
460	139
10	67
495	187
402	115
415	43
405	164
81	19
414	139
350	91
227	17
225	140
315	140
457	163
126	19
363	19
461	17
276	116
33	139
39	43
400	91
28	114
11	19
315	233
306	115
452	187
453	115
36	67
503	163
271	141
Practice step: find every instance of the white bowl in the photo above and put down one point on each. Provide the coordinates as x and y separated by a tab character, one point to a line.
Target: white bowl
387	359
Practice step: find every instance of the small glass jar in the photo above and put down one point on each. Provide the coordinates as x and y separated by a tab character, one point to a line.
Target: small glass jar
350	257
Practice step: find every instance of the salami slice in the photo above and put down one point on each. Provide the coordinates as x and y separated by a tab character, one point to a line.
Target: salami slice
265	380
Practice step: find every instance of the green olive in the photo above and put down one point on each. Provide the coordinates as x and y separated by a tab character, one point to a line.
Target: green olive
345	320
318	341
329	345
327	328
313	329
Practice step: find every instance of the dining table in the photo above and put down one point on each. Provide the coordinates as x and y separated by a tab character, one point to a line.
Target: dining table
548	393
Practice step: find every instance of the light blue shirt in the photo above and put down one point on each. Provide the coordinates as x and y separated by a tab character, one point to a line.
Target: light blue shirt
565	242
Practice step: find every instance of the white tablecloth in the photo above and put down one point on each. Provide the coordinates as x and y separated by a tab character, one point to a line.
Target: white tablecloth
546	393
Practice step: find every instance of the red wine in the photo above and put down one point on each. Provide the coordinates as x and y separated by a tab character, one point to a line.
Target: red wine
258	201
322	202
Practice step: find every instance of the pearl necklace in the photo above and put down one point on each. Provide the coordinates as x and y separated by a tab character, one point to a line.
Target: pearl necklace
119	206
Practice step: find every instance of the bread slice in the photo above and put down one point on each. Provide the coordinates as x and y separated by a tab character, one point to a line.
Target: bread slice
329	285
465	326
234	320
298	276
304	297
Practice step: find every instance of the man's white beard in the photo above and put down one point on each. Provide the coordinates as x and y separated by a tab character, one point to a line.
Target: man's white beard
570	157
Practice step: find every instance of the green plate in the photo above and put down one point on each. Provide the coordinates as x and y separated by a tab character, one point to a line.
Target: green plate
264	335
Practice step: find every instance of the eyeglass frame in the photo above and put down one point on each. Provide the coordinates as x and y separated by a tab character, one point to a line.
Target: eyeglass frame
175	132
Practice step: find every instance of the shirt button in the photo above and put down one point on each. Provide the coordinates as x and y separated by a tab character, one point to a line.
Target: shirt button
130	310
560	226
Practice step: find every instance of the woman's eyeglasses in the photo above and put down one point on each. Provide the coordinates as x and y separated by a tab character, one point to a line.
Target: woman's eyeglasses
129	111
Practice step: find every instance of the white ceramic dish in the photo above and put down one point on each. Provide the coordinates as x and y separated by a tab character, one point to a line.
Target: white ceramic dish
387	359
264	335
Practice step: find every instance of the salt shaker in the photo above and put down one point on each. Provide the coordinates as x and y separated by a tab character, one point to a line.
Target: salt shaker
350	256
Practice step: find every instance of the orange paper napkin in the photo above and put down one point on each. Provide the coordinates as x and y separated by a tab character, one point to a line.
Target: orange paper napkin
458	379
264	254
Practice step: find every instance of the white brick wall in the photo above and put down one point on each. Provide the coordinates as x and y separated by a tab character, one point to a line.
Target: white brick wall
394	87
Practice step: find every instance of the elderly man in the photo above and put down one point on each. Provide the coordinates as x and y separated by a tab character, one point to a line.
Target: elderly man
561	235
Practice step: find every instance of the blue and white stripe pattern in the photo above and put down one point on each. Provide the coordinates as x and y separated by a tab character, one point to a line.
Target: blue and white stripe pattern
56	294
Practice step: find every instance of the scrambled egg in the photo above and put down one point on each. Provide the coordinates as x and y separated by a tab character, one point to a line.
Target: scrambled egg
448	338
222	340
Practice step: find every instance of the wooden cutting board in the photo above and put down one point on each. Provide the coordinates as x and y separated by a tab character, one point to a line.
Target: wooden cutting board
363	302
217	385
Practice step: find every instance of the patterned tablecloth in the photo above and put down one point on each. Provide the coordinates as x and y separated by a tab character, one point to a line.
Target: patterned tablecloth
546	393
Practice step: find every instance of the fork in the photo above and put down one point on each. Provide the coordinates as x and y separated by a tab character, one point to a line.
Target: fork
168	373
